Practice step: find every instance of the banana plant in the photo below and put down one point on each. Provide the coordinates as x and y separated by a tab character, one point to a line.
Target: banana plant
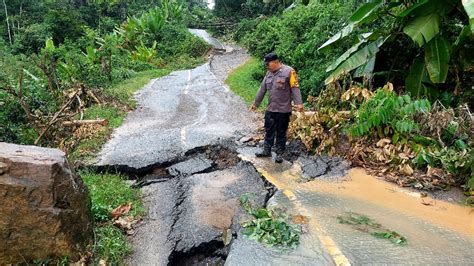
144	54
422	21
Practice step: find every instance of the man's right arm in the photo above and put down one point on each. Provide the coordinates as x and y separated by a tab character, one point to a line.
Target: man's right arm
260	94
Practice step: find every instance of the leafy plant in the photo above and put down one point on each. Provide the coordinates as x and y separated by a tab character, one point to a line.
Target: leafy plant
388	114
438	29
269	227
366	224
144	54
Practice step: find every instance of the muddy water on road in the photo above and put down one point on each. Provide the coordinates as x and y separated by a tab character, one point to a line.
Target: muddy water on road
437	233
370	189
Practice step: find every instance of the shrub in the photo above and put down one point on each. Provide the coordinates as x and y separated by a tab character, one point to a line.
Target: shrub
388	114
295	36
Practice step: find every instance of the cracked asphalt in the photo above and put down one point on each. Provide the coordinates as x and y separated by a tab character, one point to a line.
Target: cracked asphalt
176	113
190	212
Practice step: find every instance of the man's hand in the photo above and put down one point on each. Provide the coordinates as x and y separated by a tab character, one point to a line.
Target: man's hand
299	107
253	108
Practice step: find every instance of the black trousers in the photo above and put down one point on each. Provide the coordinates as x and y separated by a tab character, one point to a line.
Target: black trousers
276	125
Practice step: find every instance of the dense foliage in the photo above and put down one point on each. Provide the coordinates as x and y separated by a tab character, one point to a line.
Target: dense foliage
420	124
423	46
53	51
295	36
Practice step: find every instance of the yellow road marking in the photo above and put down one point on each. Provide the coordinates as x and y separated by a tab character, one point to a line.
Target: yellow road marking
328	243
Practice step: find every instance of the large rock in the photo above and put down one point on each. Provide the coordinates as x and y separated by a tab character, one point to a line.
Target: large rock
44	209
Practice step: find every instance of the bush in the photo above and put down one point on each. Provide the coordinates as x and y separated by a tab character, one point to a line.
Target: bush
388	115
30	39
177	40
295	36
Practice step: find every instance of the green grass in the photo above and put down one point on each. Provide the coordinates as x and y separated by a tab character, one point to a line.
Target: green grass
107	192
113	114
242	83
124	90
111	245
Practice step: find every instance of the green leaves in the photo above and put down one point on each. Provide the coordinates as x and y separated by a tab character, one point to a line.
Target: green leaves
412	8
387	110
269	226
345	55
469	7
366	224
422	29
341	34
417	80
357	59
49	45
437	59
366	13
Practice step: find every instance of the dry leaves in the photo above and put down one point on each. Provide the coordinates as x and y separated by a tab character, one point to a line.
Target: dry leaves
121	210
300	219
356	93
126	224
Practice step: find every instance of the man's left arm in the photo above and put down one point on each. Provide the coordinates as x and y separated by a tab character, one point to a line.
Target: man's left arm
295	91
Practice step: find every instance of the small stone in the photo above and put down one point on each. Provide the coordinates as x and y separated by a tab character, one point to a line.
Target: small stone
246	139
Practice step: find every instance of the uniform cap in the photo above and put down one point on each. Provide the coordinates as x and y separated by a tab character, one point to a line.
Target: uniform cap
270	57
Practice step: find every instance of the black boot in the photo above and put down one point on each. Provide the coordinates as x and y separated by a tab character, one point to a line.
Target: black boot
266	152
278	158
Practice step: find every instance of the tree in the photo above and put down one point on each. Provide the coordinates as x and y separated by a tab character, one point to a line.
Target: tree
439	30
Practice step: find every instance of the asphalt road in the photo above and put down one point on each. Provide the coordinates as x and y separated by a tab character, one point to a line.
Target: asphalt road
175	113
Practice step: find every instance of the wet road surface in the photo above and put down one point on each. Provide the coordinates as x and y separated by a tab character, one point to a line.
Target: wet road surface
438	232
208	38
176	113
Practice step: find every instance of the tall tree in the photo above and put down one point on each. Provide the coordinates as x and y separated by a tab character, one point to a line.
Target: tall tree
8	24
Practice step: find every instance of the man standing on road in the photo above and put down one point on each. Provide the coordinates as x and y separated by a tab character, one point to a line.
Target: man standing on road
282	85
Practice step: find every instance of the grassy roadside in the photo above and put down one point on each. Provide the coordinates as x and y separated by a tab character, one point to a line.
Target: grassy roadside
243	83
108	192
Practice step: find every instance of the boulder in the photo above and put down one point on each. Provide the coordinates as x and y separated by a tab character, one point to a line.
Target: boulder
45	207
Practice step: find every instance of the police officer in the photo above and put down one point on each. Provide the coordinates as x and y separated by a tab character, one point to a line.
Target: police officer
281	83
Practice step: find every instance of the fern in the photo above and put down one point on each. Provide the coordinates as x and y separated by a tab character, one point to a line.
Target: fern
388	114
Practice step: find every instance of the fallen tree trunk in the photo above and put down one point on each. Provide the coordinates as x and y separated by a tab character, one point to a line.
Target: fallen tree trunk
102	122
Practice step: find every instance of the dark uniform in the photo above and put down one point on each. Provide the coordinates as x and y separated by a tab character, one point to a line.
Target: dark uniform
282	86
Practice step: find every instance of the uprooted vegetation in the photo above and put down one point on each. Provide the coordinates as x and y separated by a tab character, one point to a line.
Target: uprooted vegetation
59	87
365	224
411	142
269	226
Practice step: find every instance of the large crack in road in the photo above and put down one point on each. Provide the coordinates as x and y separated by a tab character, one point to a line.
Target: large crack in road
181	148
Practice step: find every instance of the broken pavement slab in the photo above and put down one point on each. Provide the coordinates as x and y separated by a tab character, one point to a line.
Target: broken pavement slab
191	166
176	113
189	215
211	205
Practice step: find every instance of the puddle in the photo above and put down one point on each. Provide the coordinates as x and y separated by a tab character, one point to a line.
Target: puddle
362	186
